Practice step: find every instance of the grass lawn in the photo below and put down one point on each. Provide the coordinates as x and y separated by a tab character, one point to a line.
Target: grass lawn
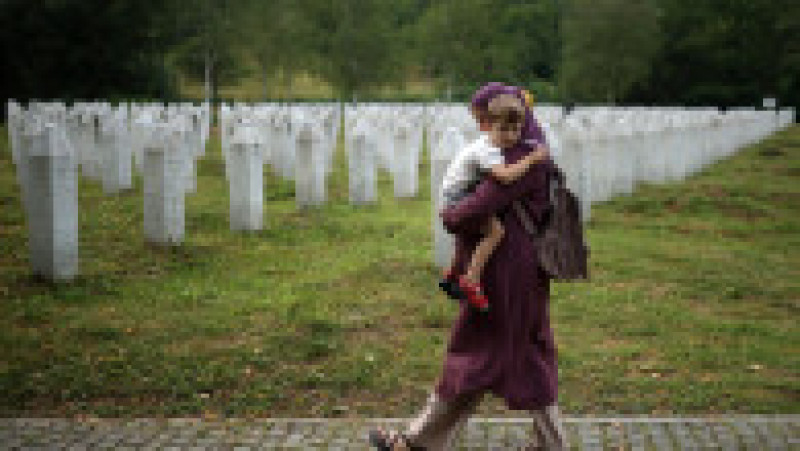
335	312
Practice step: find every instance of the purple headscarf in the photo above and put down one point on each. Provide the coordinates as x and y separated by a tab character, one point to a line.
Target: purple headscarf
531	131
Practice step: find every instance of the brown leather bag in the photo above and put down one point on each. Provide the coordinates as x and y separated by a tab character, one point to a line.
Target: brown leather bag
559	237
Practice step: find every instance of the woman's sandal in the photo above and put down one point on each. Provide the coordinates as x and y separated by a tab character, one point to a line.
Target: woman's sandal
474	294
388	441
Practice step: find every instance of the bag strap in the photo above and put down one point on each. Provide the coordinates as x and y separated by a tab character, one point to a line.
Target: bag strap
554	180
526	221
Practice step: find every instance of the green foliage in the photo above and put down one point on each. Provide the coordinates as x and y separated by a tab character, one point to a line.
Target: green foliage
727	53
714	52
609	46
83	49
212	40
351	44
279	38
474	41
694	284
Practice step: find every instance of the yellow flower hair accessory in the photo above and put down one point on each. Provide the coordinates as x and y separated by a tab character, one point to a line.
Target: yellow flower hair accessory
528	98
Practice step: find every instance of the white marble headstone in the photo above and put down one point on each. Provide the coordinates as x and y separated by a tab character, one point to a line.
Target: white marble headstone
164	219
52	198
246	181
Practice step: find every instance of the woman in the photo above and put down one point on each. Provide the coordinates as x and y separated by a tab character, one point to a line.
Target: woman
510	353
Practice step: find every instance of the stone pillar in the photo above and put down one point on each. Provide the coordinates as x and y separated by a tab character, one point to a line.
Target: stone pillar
163	190
188	151
450	143
88	146
362	167
138	131
14	124
288	149
246	181
115	154
309	174
404	168
226	127
52	202
386	147
626	162
577	168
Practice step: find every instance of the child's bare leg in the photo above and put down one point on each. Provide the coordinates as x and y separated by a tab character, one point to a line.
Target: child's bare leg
487	245
456	260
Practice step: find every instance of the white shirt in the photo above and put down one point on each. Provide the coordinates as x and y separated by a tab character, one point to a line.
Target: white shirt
465	169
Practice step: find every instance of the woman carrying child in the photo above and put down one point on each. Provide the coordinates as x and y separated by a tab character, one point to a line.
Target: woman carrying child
510	351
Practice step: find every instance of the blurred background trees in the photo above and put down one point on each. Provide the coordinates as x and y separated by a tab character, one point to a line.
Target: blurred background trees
608	47
681	52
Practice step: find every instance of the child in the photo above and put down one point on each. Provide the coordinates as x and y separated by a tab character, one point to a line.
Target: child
503	121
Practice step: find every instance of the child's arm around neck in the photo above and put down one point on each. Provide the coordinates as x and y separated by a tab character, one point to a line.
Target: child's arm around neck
511	172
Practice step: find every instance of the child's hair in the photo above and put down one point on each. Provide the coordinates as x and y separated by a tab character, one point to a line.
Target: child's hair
479	114
506	112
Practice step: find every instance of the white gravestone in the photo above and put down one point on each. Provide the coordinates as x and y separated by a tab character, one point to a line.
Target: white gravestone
309	166
188	151
404	163
450	143
52	198
362	171
87	147
114	146
163	190
246	181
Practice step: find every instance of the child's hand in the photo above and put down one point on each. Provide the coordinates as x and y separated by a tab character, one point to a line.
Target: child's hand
541	152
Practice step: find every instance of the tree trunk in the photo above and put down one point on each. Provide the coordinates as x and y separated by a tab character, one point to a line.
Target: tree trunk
214	92
288	87
264	80
214	89
207	79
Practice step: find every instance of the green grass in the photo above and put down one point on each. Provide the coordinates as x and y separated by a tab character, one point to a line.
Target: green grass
335	311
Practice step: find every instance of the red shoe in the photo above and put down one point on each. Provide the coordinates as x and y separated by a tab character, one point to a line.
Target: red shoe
474	293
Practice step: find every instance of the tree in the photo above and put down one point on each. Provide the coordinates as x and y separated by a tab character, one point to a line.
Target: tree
353	44
470	42
608	47
465	44
279	34
83	49
211	40
727	53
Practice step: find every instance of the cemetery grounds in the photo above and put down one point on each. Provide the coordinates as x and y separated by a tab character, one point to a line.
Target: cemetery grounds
334	312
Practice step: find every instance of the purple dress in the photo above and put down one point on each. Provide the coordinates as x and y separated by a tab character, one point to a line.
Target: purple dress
510	351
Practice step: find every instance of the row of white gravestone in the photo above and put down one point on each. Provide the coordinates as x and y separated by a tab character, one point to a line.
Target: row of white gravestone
278	126
299	142
50	141
606	152
191	120
603	151
106	136
392	138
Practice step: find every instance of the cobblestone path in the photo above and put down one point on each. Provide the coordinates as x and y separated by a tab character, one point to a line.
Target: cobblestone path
584	433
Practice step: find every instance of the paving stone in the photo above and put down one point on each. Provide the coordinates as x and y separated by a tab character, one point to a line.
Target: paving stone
615	435
582	433
683	436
